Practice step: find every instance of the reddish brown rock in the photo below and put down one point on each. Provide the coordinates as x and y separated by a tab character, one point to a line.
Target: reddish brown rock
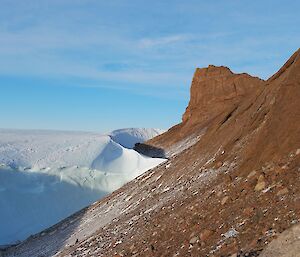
215	91
248	211
218	164
206	234
249	124
283	191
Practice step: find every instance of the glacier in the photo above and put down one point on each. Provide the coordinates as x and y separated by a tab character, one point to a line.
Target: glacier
46	176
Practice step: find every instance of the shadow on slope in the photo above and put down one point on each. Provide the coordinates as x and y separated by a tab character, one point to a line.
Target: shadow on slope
32	201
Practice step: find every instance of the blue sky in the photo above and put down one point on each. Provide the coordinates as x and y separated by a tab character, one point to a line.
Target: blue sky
101	65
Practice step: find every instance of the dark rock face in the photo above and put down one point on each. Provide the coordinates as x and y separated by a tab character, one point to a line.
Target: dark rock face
149	150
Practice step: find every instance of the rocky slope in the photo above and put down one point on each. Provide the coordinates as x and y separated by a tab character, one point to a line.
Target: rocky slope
230	186
286	245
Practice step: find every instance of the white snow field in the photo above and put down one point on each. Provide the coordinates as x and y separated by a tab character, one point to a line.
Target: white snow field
46	176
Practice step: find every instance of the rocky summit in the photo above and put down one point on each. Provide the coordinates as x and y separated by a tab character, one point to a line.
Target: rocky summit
230	185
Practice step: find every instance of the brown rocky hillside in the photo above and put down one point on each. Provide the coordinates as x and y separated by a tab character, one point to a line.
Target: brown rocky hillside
230	186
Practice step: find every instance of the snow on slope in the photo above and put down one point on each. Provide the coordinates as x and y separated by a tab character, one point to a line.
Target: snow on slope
130	136
47	175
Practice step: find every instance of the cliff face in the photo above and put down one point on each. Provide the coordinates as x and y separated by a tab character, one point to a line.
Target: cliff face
215	91
227	109
230	185
214	88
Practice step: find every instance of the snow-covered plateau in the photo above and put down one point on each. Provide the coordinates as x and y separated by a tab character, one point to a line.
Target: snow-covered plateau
47	175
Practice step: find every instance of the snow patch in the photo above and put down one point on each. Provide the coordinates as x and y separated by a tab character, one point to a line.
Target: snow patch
130	136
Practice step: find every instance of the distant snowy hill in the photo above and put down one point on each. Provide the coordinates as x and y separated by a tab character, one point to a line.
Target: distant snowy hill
130	136
47	175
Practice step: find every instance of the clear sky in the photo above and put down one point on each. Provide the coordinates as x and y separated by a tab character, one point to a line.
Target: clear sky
100	65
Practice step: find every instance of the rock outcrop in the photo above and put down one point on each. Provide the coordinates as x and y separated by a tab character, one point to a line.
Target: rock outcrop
215	88
214	91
